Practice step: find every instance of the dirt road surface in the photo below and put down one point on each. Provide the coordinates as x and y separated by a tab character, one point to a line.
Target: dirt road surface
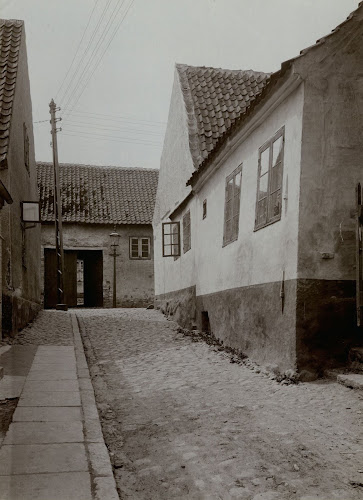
181	421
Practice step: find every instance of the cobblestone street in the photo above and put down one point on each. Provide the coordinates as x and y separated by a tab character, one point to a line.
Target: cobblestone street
181	420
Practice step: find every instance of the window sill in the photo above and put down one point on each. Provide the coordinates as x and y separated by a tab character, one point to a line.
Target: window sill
257	228
140	258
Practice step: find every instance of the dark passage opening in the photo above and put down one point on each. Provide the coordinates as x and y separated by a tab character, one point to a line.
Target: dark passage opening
83	278
205	322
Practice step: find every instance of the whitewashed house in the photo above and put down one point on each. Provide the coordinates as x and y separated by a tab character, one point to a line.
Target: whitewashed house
255	214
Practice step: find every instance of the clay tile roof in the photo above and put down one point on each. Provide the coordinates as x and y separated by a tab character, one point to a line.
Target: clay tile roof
99	195
214	99
253	87
10	39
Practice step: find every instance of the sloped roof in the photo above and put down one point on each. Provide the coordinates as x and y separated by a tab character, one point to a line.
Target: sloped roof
10	39
99	195
215	98
273	81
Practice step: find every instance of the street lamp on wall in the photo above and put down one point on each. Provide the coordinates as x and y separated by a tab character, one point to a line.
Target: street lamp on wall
114	239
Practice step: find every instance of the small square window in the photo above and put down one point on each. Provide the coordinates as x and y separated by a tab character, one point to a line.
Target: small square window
139	248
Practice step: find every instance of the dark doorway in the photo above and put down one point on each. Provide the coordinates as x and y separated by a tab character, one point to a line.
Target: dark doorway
205	322
82	270
93	277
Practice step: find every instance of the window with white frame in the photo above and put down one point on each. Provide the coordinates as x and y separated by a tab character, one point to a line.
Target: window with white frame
232	205
269	187
139	248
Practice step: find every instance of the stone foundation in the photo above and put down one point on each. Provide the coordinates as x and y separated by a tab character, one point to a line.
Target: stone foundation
326	323
17	313
179	305
255	321
311	328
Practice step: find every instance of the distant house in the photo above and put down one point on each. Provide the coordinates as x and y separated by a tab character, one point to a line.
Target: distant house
97	201
255	215
20	243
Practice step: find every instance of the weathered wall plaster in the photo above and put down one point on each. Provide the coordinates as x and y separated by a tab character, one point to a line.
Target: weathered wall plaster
134	278
21	277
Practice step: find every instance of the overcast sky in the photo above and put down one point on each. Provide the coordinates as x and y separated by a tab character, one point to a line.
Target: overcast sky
109	64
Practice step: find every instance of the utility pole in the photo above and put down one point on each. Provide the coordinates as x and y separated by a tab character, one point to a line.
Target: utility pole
57	210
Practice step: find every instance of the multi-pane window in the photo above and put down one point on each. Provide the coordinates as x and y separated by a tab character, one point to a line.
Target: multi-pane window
186	232
231	207
139	248
26	147
171	239
270	167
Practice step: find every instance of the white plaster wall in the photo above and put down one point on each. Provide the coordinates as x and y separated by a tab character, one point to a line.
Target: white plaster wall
176	165
255	257
171	274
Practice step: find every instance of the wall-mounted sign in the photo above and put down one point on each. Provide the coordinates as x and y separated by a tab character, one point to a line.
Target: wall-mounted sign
30	211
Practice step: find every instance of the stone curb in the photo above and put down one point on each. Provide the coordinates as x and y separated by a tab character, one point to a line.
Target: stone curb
104	485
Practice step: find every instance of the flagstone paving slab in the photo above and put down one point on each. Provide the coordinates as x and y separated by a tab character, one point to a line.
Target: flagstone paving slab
64	486
17	360
59	365
47	414
11	386
51	386
42	458
50	399
49	374
44	432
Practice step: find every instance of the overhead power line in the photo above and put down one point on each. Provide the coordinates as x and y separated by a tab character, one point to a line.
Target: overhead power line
96	48
88	47
102	55
132	139
78	47
116	117
74	123
109	138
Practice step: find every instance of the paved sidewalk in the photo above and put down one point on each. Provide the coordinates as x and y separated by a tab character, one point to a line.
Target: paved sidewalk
54	448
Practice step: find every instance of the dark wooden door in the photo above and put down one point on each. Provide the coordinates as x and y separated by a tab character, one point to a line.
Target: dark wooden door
50	278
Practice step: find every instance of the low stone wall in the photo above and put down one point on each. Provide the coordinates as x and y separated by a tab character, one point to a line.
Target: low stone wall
17	313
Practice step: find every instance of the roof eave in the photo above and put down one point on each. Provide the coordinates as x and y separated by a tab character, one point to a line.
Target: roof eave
282	84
